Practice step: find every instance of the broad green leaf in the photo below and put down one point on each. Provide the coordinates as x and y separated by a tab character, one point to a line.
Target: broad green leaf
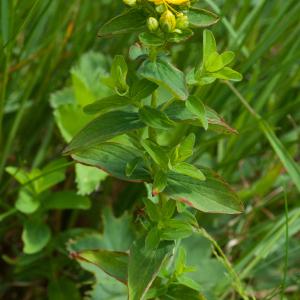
196	106
35	236
66	200
82	92
150	39
117	236
107	104
209	44
113	158
155	118
104	128
156	152
63	289
188	170
212	195
112	263
141	89
227	57
64	118
144	266
86	79
214	62
132	20
201	18
27	201
160	182
88	179
228	74
166	75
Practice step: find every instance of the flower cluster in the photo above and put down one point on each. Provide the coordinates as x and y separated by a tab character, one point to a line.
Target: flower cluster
164	16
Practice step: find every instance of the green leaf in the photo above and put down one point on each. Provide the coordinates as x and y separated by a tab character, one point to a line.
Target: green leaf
27	201
132	165
107	104
104	128
179	292
179	37
88	179
35	236
178	112
209	44
156	152
212	195
180	261
155	118
112	263
227	57
196	106
66	200
152	239
176	229
152	210
166	75
214	63
118	236
19	174
144	266
113	158
185	148
188	170
168	208
228	74
150	39
217	123
63	289
160	182
52	174
119	72
132	20
141	89
201	18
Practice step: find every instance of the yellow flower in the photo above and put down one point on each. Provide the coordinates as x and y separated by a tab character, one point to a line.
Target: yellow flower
175	2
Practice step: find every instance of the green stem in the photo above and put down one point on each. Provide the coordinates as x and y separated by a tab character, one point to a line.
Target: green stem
220	255
152	131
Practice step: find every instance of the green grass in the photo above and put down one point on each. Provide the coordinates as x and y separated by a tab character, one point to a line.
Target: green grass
42	40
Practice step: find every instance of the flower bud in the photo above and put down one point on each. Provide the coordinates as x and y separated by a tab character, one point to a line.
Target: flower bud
182	22
130	2
152	24
167	21
160	8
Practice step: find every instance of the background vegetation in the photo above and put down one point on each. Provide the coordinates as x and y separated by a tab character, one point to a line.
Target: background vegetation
50	63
